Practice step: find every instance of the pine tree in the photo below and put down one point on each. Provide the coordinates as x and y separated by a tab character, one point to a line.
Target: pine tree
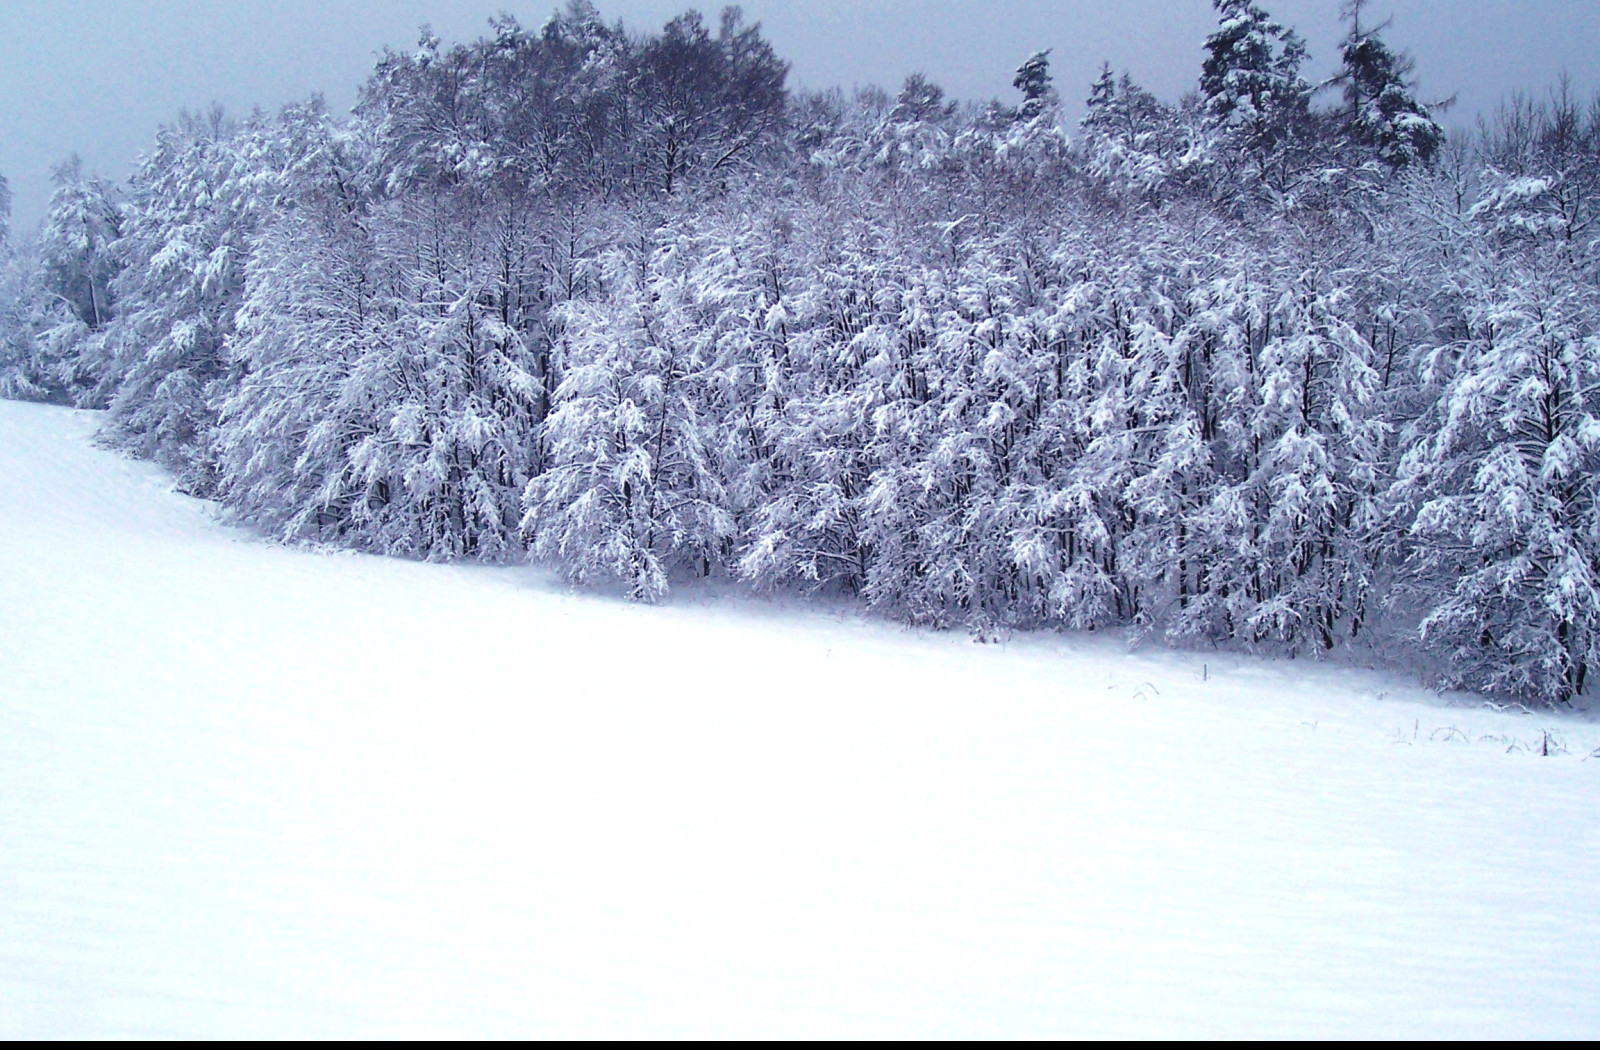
1251	80
1381	107
387	405
78	259
810	529
622	299
312	309
1033	80
25	374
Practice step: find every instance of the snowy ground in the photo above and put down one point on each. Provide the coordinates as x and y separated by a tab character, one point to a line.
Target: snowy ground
248	790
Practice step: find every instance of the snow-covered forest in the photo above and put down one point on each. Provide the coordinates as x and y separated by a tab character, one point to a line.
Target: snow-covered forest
1279	365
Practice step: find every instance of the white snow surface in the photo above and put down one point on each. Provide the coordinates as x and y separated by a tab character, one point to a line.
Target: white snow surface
249	790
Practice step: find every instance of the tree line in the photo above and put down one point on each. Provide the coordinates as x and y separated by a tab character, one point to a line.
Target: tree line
1279	365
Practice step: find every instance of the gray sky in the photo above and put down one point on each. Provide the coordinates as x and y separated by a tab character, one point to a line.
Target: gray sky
97	77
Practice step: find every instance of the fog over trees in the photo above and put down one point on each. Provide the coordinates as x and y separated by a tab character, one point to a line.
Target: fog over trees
1277	365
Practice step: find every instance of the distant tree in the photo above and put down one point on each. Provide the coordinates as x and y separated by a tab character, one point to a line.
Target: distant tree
921	98
1251	80
24	372
1102	95
196	203
78	258
703	105
554	103
1541	172
1381	108
12	353
1132	143
84	221
1033	80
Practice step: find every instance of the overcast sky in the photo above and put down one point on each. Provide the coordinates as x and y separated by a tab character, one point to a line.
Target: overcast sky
97	77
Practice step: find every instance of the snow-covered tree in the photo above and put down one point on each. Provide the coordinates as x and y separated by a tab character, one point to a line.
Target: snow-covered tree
829	322
1542	169
312	305
1504	477
15	353
1254	93
24	375
71	301
1233	370
195	205
387	405
637	486
84	221
1132	144
1300	456
1034	81
1251	75
702	106
1382	108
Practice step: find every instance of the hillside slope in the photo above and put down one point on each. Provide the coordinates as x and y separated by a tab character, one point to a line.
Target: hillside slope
248	790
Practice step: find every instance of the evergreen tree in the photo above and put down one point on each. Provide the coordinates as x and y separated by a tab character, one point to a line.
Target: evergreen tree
313	305
1033	80
1102	96
1381	108
78	260
1503	476
386	403
1132	144
25	374
1251	80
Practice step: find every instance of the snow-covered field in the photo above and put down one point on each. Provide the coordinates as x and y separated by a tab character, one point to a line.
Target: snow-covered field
255	791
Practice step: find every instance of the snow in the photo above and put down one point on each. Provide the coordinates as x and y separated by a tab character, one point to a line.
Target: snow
249	790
